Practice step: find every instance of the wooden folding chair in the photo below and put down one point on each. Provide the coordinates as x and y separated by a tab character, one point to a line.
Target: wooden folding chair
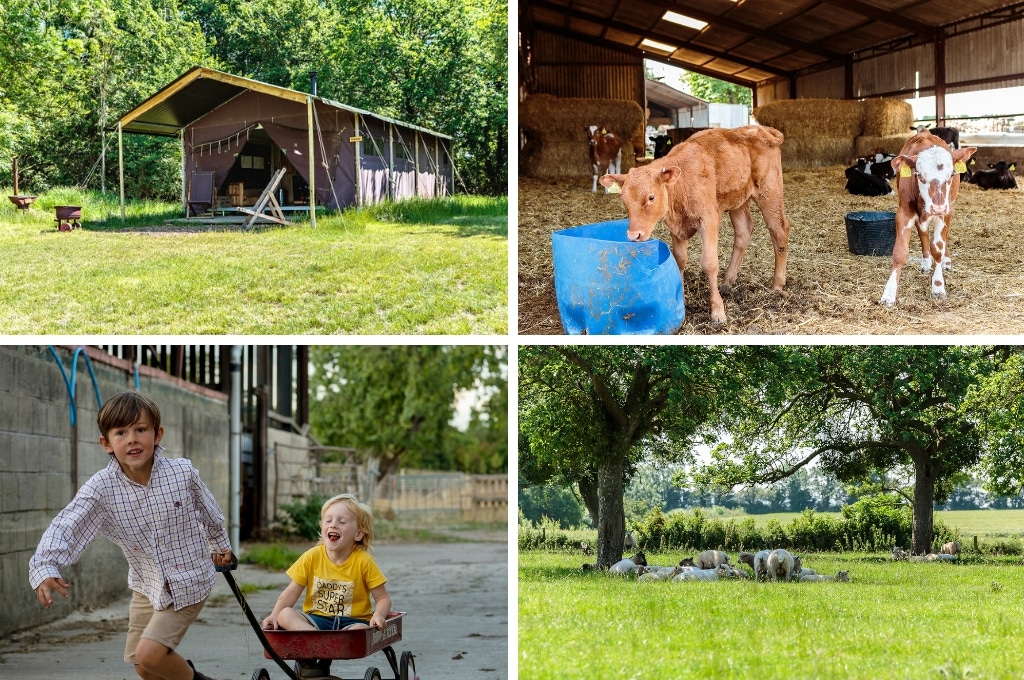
267	201
200	193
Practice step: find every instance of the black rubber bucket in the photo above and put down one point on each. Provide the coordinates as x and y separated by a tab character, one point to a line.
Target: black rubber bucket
871	233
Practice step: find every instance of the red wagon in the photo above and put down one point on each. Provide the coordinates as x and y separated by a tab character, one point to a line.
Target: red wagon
314	650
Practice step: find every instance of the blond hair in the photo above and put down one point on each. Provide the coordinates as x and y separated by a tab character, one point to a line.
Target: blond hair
364	517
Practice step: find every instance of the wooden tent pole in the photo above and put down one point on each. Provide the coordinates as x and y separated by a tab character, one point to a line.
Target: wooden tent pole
359	162
312	164
392	181
416	163
120	165
184	174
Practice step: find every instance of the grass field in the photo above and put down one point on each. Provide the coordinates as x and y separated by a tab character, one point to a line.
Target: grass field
893	620
982	523
425	267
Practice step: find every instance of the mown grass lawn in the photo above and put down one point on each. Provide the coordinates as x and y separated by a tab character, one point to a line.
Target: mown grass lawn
429	267
893	620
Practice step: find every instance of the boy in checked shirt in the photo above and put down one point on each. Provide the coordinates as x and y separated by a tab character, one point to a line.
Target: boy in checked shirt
166	522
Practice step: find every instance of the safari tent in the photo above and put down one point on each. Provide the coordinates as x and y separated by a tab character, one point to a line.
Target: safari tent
238	134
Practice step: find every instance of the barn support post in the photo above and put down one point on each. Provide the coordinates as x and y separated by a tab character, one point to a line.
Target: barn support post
312	163
940	79
359	161
120	165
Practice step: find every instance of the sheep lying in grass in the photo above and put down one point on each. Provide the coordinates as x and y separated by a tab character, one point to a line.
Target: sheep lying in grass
841	576
708	559
933	557
780	564
712	574
629	565
899	553
658	573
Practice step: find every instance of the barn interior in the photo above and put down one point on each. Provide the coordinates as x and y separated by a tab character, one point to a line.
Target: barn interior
817	59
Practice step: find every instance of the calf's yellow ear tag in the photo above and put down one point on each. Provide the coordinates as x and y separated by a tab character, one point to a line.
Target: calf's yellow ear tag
614	189
905	170
959	166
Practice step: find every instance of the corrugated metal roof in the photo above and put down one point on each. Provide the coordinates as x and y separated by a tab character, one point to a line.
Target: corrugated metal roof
200	90
750	41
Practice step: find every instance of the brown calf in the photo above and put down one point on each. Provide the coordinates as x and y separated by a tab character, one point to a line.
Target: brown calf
605	151
927	182
713	171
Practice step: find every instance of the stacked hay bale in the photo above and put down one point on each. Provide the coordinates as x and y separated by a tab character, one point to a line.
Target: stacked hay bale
887	124
823	132
556	142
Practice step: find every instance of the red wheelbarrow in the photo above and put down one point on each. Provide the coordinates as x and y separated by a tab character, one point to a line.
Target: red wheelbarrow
314	650
68	216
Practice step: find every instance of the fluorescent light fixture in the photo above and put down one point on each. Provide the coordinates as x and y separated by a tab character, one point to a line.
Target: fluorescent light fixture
684	20
660	47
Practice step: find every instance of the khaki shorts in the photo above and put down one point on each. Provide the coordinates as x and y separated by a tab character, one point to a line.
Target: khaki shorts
166	626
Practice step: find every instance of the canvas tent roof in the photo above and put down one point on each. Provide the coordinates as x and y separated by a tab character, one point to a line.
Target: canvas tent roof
200	90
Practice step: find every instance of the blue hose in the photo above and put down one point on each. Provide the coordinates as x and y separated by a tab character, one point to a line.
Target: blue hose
70	384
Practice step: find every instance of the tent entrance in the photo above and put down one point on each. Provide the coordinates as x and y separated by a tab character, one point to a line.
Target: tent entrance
254	165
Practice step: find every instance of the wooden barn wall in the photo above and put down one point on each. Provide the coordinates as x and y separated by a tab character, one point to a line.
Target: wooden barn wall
988	53
895	72
565	67
983	54
822	85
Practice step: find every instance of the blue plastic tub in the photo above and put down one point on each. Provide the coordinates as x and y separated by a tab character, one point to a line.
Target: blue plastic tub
609	285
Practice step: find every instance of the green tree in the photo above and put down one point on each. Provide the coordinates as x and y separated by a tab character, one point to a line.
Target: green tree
589	414
858	410
999	401
551	501
717	91
395	401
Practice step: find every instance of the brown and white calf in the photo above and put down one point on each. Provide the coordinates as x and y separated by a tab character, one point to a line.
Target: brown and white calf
927	183
713	171
605	151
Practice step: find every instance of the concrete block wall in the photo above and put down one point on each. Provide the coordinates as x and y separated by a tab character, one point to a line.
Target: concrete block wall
36	467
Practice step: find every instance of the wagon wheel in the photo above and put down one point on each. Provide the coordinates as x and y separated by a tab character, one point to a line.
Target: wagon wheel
260	674
372	674
407	667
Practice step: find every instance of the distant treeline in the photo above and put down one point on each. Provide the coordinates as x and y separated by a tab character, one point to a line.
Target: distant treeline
869	525
70	69
807	489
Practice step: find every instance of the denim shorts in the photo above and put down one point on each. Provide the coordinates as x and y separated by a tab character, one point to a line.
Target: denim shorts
333	622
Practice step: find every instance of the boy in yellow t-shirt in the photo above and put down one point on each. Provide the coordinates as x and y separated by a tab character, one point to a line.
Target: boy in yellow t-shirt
338	575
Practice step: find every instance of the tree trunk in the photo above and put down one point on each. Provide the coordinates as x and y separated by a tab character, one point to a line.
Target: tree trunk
588	492
924	498
611	518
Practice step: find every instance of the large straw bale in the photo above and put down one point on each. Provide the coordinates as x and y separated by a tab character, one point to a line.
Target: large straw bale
564	159
556	141
887	117
815	151
865	145
809	117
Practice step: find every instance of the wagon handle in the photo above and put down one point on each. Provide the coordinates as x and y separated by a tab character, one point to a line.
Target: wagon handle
226	570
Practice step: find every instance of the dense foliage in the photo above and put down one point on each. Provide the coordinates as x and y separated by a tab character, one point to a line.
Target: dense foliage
70	70
871	524
398	403
914	421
